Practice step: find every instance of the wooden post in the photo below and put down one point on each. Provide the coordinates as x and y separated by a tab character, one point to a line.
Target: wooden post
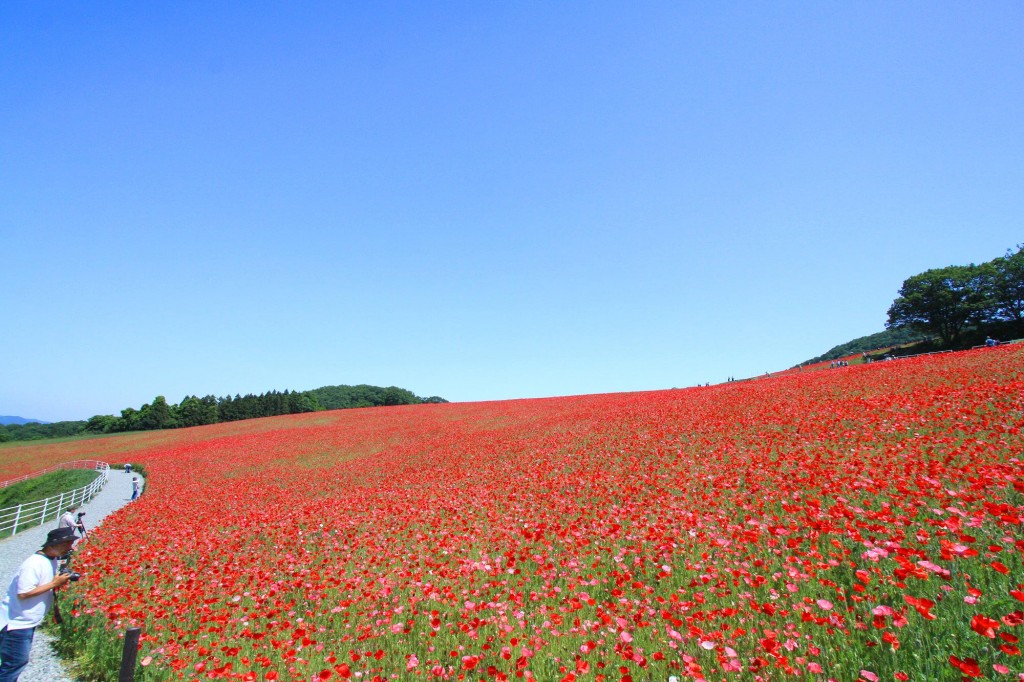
131	652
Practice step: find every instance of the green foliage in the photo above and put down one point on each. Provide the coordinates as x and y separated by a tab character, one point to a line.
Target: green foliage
943	302
35	431
265	405
343	396
94	657
129	420
193	411
891	337
1008	286
960	304
156	415
47	485
957	306
101	423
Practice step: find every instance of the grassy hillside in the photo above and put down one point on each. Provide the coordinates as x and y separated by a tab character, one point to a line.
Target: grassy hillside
41	487
886	339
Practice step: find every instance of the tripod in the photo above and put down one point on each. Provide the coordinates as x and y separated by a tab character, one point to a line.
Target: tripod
80	525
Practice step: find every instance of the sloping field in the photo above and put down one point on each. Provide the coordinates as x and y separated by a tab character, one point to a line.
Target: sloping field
863	523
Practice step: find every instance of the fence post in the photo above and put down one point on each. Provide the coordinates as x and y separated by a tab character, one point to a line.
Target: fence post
130	653
32	517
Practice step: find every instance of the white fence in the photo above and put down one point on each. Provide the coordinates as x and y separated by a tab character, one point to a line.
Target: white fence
34	513
77	464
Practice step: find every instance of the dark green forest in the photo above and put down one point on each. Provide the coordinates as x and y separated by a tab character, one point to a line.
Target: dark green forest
195	411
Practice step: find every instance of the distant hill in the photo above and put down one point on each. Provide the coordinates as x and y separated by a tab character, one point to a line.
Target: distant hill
864	344
343	397
20	420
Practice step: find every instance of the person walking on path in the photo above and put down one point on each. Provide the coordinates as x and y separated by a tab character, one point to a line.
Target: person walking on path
29	596
136	488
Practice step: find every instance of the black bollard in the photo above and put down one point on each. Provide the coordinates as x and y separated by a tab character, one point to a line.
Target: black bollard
131	652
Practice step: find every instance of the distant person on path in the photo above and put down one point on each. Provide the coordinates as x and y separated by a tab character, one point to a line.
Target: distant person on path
72	520
29	596
127	468
135	494
80	525
991	343
67	519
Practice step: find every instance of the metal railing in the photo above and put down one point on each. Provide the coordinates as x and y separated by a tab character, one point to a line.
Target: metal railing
77	464
41	511
801	368
951	350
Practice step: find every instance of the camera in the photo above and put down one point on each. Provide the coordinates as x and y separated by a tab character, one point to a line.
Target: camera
65	566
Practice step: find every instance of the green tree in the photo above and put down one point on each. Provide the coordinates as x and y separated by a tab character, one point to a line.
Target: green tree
185	412
393	395
195	412
944	301
156	415
302	402
1008	286
364	395
129	420
100	423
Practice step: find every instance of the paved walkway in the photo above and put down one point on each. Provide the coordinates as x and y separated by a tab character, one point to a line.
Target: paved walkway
44	665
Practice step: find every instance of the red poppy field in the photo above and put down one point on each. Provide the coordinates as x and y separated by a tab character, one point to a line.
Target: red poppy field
855	524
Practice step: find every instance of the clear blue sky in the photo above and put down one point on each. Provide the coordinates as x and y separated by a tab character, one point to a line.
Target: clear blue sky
482	200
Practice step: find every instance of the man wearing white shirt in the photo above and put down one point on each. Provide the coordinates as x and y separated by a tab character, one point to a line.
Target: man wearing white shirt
73	521
29	596
67	520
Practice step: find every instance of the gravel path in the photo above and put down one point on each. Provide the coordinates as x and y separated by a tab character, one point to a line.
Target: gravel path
44	665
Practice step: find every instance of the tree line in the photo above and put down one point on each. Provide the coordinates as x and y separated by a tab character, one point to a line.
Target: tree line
949	308
960	305
35	430
195	411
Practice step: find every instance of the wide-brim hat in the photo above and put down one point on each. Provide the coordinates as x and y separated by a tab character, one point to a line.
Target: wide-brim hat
58	536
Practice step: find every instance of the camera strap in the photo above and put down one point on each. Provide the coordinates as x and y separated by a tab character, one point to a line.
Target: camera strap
56	607
56	610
